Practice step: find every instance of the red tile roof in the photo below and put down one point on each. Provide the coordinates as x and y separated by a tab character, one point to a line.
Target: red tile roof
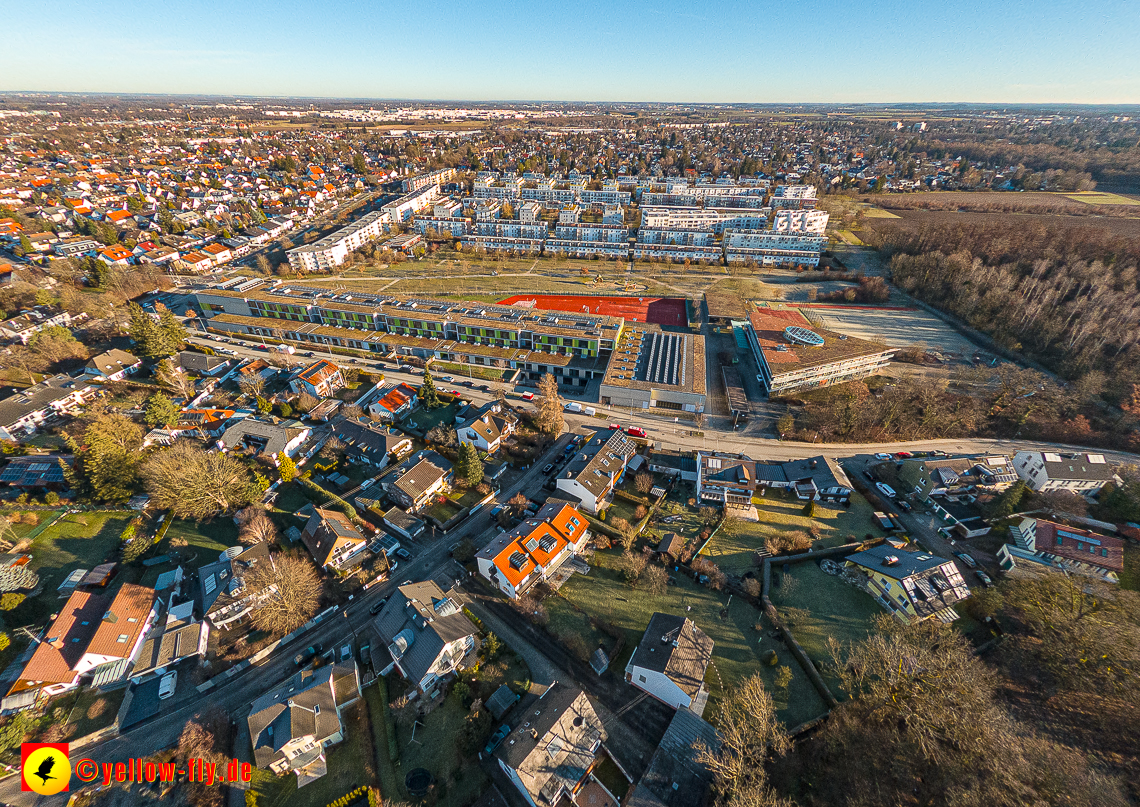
64	642
1102	551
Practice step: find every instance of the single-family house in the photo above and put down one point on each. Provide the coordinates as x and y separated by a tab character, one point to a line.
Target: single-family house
551	755
332	539
114	365
942	476
291	727
175	637
911	585
36	472
734	480
223	595
23	326
92	636
196	261
393	403
1078	550
263	439
670	662
425	476
22	412
115	255
424	635
219	253
534	550
320	379
596	468
1083	473
488	427
404	523
202	364
371	443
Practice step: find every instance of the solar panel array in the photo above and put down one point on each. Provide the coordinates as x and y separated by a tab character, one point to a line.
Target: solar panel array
662	359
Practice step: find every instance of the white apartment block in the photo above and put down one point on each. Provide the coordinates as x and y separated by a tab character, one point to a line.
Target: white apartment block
794	196
608	233
512	229
530	212
613	214
584	249
800	221
692	218
447	209
458	227
769	249
740	219
676	253
605	197
434	178
569	214
330	251
496	243
682	236
402	209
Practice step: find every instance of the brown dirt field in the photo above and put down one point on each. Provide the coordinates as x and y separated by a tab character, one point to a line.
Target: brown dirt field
916	218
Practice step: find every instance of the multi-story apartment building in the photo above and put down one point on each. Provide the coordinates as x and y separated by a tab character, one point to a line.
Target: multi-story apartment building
800	221
691	218
330	251
584	240
572	347
447	209
799	197
530	212
402	209
422	181
512	229
458	227
793	356
772	248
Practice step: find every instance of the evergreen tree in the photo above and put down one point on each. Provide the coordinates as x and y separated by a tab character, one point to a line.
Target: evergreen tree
468	466
428	394
286	467
172	329
151	341
160	411
358	164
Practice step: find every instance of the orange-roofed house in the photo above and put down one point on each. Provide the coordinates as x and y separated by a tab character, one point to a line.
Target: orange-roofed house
197	262
219	253
91	636
120	216
321	379
10	227
534	550
393	403
115	255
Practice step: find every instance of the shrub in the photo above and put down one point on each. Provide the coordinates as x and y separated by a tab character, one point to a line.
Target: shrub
783	677
4	641
770	658
51	497
11	600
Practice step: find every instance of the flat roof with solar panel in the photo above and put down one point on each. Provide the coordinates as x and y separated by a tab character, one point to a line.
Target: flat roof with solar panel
648	358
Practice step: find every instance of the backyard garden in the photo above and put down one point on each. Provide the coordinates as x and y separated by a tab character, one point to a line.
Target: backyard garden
740	633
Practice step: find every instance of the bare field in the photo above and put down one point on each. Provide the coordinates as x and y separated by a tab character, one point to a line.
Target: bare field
1129	227
894	327
1100	198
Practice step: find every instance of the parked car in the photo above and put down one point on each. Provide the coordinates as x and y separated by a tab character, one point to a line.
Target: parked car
497	738
886	490
484	387
616	426
378	606
882	456
904	506
447	379
468	383
345	652
167	685
403	553
962	556
307	655
635	431
548	467
987	581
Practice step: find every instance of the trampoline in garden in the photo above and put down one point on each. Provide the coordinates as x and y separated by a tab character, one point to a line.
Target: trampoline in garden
418	782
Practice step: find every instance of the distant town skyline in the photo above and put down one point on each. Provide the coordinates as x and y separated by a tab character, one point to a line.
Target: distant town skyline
723	51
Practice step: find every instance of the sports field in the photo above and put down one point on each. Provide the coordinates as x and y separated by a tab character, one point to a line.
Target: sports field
669	311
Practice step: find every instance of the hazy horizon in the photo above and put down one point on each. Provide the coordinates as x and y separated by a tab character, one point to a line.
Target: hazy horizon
724	51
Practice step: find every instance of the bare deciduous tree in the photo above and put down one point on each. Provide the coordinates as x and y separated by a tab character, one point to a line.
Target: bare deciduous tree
257	526
197	484
295	592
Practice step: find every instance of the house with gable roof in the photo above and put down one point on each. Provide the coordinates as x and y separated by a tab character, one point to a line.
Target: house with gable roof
424	635
515	561
670	662
332	539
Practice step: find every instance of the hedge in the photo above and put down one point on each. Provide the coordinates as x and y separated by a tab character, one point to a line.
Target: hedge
327	497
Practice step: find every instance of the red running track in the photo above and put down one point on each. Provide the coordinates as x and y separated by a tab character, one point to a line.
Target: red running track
669	311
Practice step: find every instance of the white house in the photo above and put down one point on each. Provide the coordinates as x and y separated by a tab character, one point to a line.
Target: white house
1077	472
114	365
597	468
670	662
516	560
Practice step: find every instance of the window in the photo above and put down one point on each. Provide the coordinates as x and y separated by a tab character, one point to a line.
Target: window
122	638
641	678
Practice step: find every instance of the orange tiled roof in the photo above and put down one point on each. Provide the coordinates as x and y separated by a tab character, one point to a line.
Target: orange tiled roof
126	616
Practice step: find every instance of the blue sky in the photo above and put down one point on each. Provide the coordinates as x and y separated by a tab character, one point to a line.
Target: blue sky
627	50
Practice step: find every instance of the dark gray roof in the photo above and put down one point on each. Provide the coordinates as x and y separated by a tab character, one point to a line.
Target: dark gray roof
502	700
365	439
908	563
426	471
826	472
675	646
21	404
200	362
167	646
307	704
604	454
270	438
112	361
674	778
226	574
425	616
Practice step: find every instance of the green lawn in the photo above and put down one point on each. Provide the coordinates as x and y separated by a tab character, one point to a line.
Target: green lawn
76	541
350	765
444	511
291	498
207	539
732	548
819	607
424	420
375	697
738	643
457	781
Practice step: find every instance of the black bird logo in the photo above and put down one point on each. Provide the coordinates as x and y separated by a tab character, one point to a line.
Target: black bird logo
44	769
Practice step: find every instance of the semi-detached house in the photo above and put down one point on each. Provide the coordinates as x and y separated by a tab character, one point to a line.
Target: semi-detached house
530	553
